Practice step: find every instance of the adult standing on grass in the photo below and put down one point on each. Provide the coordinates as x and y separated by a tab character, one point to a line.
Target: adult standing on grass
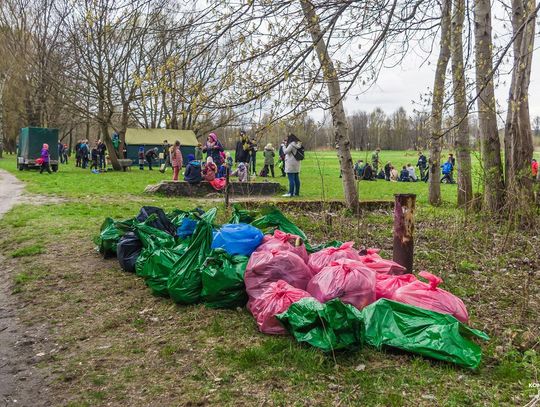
242	149
65	154
281	154
269	155
151	155
176	159
375	160
422	164
166	156
102	148
213	148
45	158
253	155
85	152
61	152
294	153
198	152
78	156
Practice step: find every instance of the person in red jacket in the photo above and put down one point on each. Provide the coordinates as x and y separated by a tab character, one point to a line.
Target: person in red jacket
534	168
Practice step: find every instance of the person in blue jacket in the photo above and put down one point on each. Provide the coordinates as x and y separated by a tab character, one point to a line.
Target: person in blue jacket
193	170
404	175
447	169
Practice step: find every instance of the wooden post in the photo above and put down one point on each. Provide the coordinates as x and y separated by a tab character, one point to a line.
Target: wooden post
227	187
403	230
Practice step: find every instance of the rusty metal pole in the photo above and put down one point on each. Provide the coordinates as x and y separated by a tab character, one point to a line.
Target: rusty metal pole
403	230
227	187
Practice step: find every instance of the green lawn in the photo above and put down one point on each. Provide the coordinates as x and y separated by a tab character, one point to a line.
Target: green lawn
113	343
319	177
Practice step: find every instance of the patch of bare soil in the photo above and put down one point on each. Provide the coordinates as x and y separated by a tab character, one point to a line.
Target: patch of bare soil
20	382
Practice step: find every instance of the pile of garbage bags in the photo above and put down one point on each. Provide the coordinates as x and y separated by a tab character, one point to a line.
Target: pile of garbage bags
332	296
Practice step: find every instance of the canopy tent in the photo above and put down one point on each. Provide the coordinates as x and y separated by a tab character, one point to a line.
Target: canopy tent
151	138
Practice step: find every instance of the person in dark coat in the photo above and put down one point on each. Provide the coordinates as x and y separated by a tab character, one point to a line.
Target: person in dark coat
213	148
242	149
422	164
151	155
101	148
193	174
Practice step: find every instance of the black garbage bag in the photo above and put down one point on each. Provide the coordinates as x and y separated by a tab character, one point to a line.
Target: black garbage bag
161	222
128	250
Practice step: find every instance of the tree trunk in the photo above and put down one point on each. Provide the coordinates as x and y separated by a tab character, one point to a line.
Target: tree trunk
487	115
339	119
460	107
518	144
437	107
3	80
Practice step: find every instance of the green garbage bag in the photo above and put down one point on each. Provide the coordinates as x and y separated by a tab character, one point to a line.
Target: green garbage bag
330	326
151	237
272	219
176	216
319	247
223	280
185	282
421	331
155	268
110	233
240	215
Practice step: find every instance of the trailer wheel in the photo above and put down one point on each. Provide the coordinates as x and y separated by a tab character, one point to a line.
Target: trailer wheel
54	167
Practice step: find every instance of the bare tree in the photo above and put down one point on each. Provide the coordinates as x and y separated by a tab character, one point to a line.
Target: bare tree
438	104
487	115
518	145
339	119
461	114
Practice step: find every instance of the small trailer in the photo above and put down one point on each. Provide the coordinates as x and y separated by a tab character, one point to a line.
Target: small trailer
31	140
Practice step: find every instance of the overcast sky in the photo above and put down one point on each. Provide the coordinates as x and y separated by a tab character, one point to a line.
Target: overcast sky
400	85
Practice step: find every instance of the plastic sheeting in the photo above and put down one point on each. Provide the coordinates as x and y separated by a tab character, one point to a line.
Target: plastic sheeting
329	327
424	332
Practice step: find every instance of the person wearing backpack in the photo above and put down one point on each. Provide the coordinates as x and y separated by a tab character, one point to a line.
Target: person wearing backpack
294	153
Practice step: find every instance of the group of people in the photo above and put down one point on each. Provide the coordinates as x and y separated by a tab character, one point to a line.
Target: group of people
370	171
219	163
94	155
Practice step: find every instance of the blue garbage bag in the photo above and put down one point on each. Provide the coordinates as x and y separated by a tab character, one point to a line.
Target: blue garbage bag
239	238
186	228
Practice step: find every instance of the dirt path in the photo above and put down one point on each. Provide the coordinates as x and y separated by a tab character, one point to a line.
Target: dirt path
21	383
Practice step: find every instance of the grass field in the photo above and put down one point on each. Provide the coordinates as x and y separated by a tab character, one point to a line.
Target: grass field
110	342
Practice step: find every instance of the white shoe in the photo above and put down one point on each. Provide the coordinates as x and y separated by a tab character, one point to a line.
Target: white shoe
287	195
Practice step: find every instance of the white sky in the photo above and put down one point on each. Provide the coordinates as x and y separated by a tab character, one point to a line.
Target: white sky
400	85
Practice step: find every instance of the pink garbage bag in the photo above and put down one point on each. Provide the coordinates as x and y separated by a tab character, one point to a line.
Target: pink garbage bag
387	284
429	296
284	242
323	258
375	262
349	280
267	267
276	299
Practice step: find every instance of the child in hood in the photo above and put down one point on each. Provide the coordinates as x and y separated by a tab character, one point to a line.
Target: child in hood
193	170
269	155
45	158
210	169
241	172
